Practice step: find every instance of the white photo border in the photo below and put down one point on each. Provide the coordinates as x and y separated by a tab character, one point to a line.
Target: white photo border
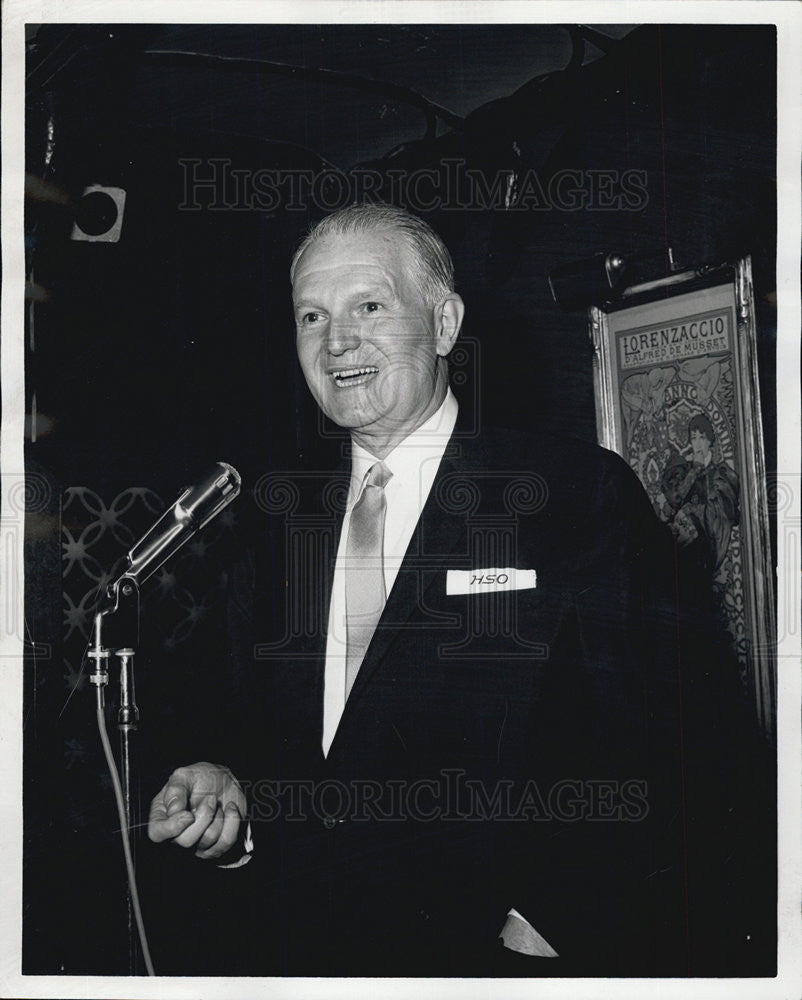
15	13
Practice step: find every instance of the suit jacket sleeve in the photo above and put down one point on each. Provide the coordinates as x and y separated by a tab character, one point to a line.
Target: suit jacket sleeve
671	774
604	883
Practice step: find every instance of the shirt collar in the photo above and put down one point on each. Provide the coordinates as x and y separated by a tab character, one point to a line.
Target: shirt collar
425	443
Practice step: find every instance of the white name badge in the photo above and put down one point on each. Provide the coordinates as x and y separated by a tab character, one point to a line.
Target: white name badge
488	581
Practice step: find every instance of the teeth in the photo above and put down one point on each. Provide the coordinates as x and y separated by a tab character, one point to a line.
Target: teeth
352	372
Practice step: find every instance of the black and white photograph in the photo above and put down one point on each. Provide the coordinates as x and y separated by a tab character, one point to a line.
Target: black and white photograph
400	459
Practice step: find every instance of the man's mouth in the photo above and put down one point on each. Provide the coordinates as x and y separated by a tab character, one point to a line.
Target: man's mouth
344	378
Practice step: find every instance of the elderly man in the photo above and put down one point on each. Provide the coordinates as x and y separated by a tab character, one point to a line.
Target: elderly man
469	766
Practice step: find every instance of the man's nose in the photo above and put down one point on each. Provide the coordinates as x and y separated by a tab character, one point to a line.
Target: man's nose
343	336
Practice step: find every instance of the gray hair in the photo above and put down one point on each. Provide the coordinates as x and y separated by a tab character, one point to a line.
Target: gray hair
431	261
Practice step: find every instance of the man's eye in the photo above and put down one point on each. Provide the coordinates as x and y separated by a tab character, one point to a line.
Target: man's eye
310	317
371	307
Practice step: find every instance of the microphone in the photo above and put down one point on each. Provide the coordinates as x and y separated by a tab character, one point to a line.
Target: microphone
191	512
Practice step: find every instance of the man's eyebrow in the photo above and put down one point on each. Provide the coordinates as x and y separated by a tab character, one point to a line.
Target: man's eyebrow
380	288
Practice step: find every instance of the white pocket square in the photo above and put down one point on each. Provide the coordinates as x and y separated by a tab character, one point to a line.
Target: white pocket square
483	581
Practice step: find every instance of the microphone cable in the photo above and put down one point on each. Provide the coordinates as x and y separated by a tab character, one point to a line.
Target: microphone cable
118	797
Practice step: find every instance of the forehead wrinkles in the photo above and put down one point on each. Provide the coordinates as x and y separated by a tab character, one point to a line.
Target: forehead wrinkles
342	274
374	255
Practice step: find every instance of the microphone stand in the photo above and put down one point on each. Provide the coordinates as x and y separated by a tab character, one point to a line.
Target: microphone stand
192	511
122	616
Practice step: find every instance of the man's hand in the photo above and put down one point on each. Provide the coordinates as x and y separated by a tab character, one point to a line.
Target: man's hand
201	806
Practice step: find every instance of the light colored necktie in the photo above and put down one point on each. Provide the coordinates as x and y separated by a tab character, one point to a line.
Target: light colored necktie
365	594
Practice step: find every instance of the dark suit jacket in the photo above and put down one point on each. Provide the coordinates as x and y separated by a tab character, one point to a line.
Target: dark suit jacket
521	749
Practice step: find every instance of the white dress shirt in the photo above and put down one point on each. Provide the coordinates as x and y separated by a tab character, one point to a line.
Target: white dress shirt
413	463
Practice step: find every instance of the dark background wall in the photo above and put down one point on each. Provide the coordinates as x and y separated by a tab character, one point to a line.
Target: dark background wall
151	357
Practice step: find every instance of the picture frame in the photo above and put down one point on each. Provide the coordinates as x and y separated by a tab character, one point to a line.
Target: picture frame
677	396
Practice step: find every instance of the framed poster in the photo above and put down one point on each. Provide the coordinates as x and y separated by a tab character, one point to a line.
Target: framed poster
676	390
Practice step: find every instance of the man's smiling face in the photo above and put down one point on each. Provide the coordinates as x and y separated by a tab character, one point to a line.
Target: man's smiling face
367	342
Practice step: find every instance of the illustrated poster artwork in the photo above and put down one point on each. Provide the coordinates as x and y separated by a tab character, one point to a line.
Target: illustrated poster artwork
676	396
679	436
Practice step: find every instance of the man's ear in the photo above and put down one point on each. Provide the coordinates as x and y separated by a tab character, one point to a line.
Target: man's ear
448	320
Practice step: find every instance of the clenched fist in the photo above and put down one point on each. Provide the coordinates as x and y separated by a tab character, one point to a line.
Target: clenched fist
201	806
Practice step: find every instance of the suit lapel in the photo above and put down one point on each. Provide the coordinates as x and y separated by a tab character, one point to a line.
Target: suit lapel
298	661
436	535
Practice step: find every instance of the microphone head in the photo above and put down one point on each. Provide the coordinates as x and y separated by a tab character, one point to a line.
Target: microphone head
210	495
235	476
191	512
